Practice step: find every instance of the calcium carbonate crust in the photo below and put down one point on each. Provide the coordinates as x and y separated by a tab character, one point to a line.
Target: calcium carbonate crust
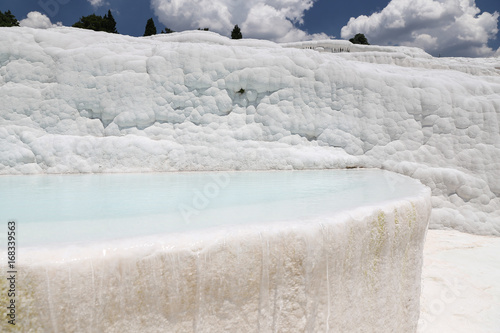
353	271
83	101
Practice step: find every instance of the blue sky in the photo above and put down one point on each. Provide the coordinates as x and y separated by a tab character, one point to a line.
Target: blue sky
444	27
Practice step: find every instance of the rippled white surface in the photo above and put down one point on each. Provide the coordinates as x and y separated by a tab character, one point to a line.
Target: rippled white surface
69	208
80	101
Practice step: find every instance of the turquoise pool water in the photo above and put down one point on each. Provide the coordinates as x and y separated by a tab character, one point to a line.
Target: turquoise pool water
88	207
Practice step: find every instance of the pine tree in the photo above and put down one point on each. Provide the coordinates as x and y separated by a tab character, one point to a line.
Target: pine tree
92	22
236	33
359	39
109	23
150	28
8	19
97	23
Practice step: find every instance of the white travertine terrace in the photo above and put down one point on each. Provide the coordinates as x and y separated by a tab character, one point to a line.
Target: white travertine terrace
76	101
355	270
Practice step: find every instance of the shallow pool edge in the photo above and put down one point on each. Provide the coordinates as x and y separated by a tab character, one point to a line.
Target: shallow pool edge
358	270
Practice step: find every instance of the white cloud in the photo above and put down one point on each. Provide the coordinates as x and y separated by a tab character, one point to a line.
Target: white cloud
265	19
97	3
446	27
36	20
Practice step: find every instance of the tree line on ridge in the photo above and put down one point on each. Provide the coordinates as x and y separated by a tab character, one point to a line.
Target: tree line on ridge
107	23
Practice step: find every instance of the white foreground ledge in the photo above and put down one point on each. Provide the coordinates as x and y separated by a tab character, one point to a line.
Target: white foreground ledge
356	271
